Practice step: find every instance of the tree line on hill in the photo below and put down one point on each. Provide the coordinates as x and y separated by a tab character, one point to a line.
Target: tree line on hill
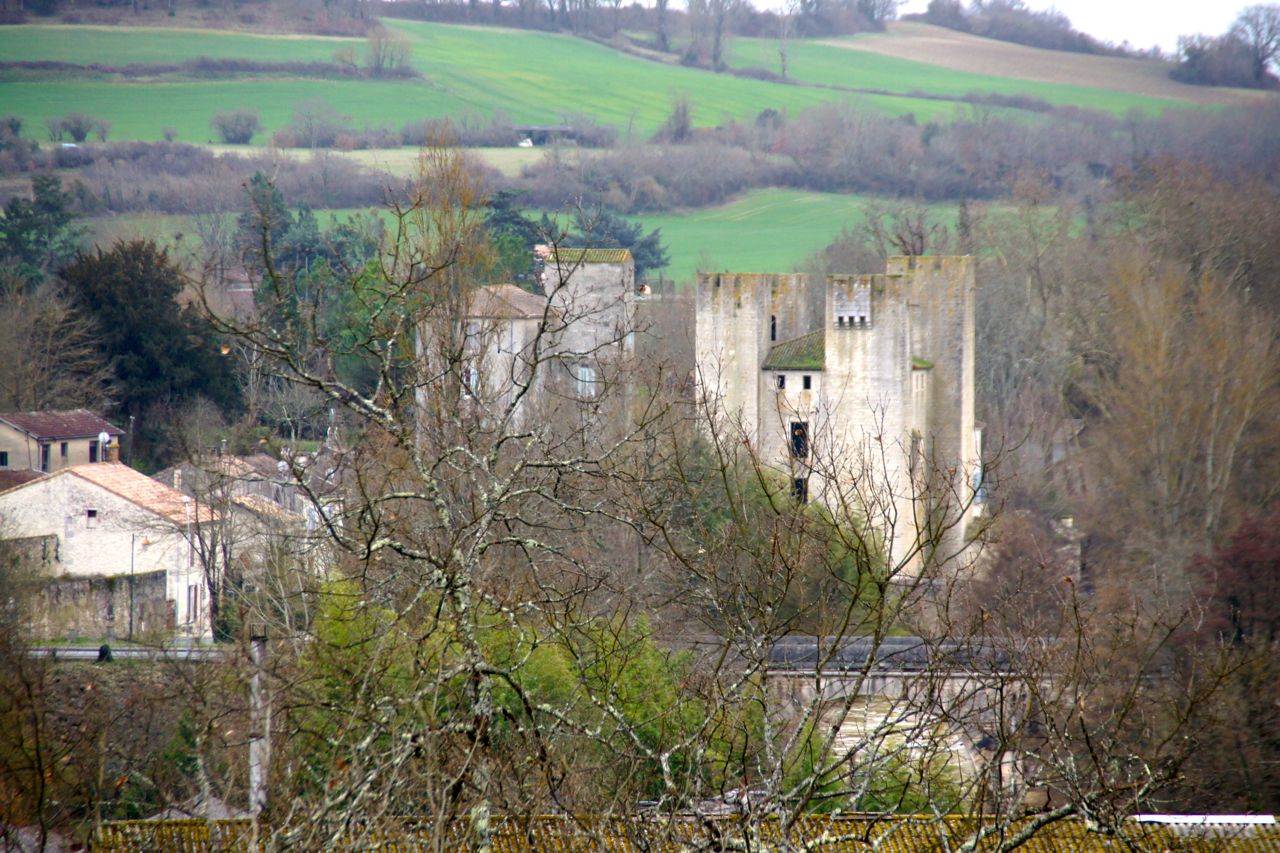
1245	56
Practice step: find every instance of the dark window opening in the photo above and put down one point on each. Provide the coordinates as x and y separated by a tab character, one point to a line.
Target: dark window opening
4	459
44	458
800	489
91	518
800	439
773	327
93	451
782	380
808	382
62	450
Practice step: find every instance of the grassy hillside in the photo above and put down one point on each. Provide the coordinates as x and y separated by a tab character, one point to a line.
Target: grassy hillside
952	51
844	63
534	77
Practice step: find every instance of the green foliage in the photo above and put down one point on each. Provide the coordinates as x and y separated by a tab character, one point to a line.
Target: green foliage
809	570
604	229
163	356
36	235
513	236
541	680
236	127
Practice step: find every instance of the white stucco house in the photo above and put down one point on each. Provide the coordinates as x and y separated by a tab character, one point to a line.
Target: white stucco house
107	521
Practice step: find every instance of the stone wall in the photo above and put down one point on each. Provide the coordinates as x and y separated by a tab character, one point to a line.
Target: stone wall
98	608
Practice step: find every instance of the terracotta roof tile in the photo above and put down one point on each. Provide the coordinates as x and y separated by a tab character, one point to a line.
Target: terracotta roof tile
139	489
506	301
78	423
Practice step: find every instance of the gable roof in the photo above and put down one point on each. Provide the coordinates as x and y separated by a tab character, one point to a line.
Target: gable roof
77	423
506	302
141	490
803	353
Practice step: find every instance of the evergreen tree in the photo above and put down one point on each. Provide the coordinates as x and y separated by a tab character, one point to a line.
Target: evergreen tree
607	230
162	356
36	234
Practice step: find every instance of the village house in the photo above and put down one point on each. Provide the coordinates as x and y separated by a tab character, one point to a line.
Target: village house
861	393
576	326
51	441
114	550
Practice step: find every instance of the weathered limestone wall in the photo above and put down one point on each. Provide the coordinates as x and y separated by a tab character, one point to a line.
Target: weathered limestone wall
942	295
598	301
868	393
100	608
779	407
898	374
739	316
120	539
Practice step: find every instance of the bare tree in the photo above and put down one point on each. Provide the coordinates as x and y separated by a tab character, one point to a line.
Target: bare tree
386	52
1258	27
51	353
565	582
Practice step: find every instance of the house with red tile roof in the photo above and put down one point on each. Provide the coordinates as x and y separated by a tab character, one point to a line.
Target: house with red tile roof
50	441
117	530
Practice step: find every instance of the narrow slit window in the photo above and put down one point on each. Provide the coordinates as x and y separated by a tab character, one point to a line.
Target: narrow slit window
800	489
800	439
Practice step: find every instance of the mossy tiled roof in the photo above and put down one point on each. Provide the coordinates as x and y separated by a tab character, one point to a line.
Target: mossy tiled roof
854	834
802	353
590	256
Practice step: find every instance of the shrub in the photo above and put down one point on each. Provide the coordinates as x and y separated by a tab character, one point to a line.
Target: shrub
236	127
78	126
316	124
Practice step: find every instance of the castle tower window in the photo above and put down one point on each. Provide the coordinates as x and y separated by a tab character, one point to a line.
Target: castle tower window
470	380
585	379
782	381
800	489
773	327
800	439
808	383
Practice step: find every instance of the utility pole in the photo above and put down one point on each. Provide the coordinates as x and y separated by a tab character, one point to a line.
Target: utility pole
259	725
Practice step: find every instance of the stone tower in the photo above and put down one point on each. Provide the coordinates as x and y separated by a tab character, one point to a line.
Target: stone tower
869	407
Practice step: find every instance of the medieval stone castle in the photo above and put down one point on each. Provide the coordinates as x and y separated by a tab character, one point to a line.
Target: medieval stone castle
859	388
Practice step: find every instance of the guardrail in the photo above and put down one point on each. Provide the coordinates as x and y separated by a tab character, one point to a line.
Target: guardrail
106	652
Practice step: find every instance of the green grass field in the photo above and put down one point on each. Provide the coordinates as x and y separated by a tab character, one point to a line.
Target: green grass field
769	230
831	65
533	77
